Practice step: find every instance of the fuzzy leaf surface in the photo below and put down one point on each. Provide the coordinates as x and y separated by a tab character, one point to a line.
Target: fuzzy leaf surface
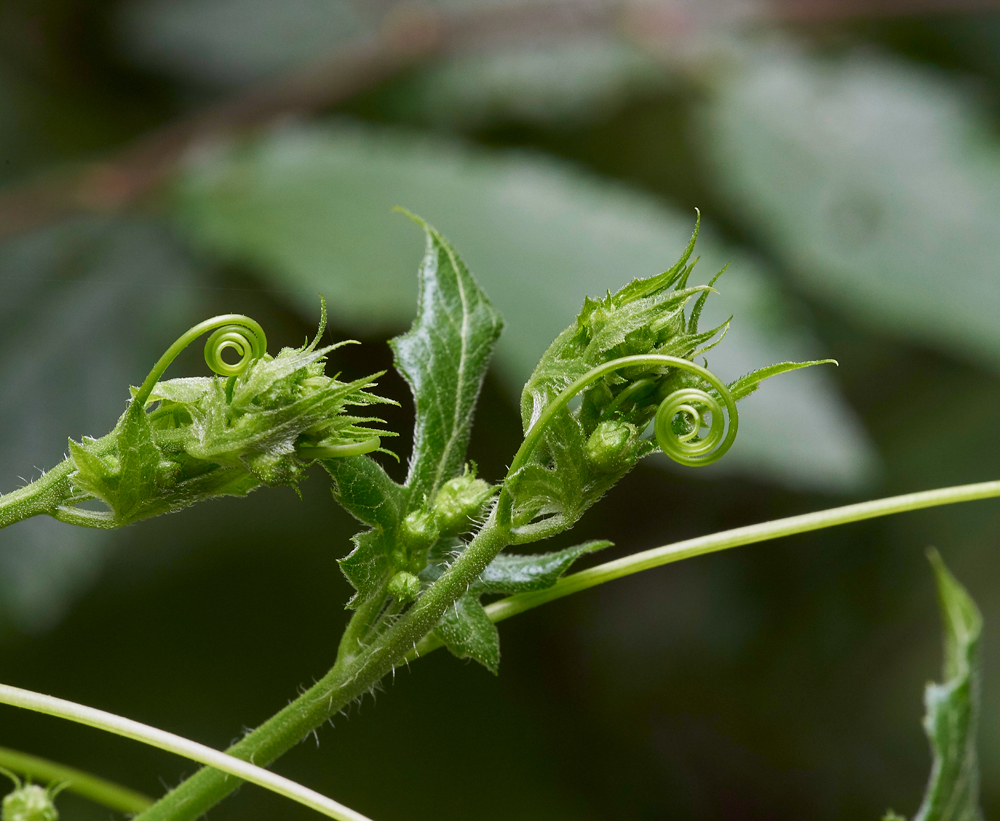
444	357
467	631
465	628
368	565
364	490
510	573
139	458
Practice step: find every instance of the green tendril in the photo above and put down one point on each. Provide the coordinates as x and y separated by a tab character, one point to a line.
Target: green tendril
233	332
693	404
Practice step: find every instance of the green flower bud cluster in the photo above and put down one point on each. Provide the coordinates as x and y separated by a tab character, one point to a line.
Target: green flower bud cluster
184	440
455	506
612	446
647	316
576	453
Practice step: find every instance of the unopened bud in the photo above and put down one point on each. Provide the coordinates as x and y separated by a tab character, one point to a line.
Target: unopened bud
459	500
611	446
29	803
418	531
404	587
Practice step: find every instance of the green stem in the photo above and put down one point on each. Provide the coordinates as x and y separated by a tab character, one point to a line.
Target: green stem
347	681
105	793
53	494
647	559
352	640
44	495
224	765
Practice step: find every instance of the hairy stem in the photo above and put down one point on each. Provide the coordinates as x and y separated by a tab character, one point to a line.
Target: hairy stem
44	495
348	680
225	765
100	791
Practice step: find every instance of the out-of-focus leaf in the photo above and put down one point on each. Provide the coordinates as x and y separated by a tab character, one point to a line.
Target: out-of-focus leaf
558	83
876	181
311	209
84	310
224	43
444	357
953	708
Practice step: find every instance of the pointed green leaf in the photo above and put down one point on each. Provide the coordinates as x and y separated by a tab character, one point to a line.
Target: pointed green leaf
522	574
953	708
444	357
746	385
127	484
92	473
369	565
365	491
139	458
467	631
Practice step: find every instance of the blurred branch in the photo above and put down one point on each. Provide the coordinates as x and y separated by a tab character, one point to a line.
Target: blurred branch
408	34
809	11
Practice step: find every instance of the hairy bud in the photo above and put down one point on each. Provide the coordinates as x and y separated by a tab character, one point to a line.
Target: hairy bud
404	587
458	501
611	446
29	802
418	531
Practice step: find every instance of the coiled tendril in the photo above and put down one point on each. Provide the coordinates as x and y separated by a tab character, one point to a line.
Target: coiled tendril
692	403
233	332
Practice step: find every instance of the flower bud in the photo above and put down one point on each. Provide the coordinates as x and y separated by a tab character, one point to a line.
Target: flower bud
404	587
418	531
29	802
611	446
459	500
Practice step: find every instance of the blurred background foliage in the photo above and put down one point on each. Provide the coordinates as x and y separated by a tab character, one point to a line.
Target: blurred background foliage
165	160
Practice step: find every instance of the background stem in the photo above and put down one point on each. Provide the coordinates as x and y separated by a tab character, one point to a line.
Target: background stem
98	790
225	765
